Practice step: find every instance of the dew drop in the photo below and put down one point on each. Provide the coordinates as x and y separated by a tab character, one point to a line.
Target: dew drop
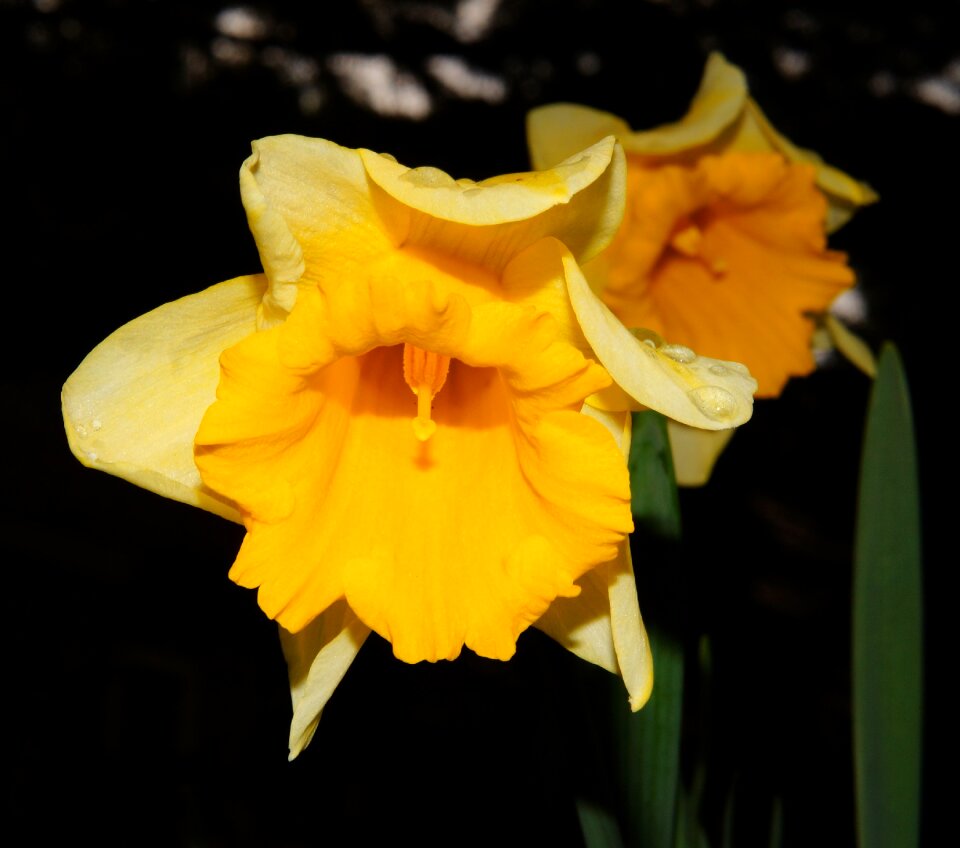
719	370
91	455
650	343
81	431
96	424
428	177
678	353
715	403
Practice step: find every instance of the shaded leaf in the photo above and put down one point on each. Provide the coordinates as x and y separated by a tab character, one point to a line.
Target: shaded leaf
648	742
887	620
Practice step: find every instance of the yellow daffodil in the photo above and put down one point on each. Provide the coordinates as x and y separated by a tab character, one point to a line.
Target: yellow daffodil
723	243
400	413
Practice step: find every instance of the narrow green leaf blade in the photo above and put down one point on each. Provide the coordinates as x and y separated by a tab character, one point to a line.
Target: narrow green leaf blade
887	620
649	746
653	485
598	826
649	741
776	823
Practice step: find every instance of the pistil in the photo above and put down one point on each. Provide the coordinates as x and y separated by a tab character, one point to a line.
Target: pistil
425	372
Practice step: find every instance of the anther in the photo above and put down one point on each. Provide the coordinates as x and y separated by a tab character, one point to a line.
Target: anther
687	241
425	373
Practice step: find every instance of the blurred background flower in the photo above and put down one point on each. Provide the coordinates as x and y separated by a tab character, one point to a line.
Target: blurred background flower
147	715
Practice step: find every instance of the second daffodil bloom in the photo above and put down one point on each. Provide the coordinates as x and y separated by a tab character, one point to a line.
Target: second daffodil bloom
723	244
400	416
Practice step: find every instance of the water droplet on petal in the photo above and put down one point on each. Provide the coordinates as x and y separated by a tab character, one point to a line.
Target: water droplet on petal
81	430
719	370
96	424
715	403
679	353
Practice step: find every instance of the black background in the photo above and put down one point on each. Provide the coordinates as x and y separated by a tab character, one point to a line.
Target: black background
148	694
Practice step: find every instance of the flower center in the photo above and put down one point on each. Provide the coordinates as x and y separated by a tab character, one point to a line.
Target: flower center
425	373
687	240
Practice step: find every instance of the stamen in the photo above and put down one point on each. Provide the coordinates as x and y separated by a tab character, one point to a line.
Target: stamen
425	372
687	241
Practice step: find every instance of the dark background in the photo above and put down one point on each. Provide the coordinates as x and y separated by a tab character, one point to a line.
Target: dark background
148	694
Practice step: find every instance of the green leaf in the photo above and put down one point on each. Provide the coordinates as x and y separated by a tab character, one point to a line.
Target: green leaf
648	742
887	620
653	486
690	833
776	823
649	747
598	826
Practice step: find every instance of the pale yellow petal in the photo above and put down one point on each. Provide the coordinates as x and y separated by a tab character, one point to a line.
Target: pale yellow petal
133	406
855	349
498	200
536	276
844	193
580	202
559	130
715	107
695	452
630	642
317	659
318	193
603	625
582	624
722	117
671	379
629	635
618	422
280	252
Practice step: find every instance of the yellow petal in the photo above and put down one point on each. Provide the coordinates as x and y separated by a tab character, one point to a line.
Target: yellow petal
133	405
727	256
317	659
560	130
695	452
582	624
602	624
317	193
722	117
464	538
844	193
671	379
537	277
629	635
717	104
855	349
498	200
280	253
580	202
630	642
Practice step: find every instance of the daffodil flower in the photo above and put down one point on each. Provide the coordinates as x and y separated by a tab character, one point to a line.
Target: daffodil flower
723	243
419	411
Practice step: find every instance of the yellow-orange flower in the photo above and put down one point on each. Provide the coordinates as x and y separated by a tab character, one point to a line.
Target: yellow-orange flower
723	244
728	255
400	418
460	536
